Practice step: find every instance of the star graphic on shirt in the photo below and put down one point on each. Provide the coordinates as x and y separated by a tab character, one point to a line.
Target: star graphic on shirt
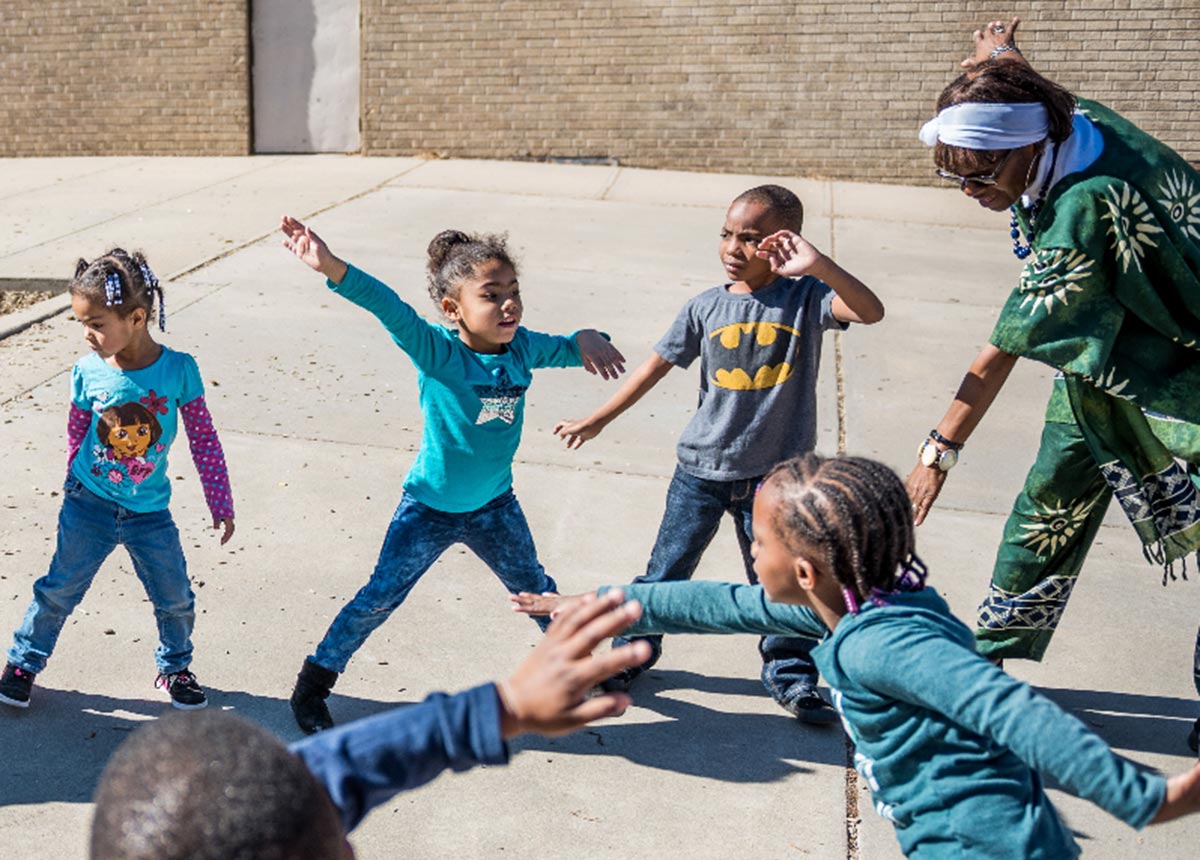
499	401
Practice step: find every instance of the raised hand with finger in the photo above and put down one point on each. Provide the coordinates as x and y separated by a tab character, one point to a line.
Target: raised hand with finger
548	694
995	39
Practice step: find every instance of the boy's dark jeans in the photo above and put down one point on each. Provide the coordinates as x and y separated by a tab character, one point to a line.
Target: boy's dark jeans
694	510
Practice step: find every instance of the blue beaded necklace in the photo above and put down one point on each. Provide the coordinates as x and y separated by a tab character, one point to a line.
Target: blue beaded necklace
1023	251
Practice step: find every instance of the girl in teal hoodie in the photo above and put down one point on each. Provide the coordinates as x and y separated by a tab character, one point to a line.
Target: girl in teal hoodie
953	749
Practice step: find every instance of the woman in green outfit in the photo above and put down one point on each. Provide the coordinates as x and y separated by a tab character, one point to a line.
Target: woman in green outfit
1108	221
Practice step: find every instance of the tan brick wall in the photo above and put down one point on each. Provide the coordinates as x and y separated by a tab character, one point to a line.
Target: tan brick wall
124	77
833	89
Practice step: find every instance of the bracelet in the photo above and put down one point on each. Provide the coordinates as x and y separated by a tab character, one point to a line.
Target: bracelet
1002	49
942	440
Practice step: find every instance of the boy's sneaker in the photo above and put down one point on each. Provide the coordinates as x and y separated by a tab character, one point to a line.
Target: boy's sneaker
185	691
808	707
15	686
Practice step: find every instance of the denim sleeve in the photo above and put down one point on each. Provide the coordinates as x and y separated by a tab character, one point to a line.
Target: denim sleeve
365	763
425	345
716	607
929	670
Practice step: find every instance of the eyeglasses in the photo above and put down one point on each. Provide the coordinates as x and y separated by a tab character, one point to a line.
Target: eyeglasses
984	179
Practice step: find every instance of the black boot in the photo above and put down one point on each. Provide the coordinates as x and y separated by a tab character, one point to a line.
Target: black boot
313	685
1194	738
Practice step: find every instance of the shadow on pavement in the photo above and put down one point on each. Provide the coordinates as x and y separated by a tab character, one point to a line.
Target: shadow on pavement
55	750
700	741
1128	721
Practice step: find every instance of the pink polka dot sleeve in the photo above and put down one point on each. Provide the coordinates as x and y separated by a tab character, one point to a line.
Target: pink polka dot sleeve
78	422
208	457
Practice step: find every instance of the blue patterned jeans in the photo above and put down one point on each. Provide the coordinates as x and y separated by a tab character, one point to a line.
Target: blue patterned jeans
497	533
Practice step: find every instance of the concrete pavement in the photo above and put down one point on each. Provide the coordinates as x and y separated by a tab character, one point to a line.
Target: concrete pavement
317	411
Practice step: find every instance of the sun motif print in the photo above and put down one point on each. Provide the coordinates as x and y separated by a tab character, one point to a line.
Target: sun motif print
499	401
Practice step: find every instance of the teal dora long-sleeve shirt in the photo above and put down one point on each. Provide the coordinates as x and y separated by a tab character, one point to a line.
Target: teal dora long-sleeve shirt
473	403
953	749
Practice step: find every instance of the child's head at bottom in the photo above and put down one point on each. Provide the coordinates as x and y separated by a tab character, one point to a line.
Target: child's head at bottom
120	282
848	518
211	786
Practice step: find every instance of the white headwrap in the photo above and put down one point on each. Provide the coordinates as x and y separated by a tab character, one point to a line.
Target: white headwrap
988	125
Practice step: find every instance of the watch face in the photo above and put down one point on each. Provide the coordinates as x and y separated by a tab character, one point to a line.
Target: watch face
929	453
947	459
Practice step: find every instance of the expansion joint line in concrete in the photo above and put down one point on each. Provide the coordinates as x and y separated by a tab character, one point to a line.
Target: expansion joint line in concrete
852	816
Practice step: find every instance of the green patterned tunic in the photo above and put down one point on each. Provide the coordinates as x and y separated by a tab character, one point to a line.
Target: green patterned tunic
1111	298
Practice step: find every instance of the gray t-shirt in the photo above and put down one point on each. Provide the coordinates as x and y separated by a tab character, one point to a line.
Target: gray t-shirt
759	355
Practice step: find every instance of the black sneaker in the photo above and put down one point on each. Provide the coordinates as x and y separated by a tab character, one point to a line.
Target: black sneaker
185	691
808	707
15	685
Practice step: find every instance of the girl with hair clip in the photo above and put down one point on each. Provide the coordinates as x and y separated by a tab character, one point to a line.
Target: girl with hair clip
1107	220
472	378
127	398
953	749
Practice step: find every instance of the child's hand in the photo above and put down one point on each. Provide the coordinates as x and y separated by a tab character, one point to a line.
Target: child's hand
311	249
789	253
546	603
599	356
576	432
995	34
226	524
548	692
1183	796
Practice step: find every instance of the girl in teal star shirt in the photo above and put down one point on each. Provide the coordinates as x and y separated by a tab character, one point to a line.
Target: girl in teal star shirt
953	749
472	378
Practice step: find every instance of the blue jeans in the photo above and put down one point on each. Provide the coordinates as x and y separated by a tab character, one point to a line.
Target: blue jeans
694	510
497	533
89	529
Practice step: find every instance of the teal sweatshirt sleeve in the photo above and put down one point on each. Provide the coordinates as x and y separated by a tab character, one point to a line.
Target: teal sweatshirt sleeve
425	344
716	607
552	350
929	670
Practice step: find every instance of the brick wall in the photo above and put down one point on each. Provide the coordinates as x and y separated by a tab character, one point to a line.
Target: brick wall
833	89
124	77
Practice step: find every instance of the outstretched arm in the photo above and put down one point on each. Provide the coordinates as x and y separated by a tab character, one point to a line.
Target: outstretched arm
637	384
791	255
365	763
311	249
984	379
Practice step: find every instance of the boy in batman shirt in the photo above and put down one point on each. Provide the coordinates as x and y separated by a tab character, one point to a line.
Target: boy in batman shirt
758	338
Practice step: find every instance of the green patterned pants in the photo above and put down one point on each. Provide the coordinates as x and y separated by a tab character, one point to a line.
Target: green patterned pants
1052	525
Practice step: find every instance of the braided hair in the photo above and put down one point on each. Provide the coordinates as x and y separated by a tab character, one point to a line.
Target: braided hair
120	281
856	514
453	256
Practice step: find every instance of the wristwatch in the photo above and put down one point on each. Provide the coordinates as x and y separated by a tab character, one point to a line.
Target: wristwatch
931	455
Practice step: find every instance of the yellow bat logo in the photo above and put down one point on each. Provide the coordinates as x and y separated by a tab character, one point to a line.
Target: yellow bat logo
762	347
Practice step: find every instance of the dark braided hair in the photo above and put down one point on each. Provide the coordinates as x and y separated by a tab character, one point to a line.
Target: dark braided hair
120	281
1001	81
453	256
854	512
784	203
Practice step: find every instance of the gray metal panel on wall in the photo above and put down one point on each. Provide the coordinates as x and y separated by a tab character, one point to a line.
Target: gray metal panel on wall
306	75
